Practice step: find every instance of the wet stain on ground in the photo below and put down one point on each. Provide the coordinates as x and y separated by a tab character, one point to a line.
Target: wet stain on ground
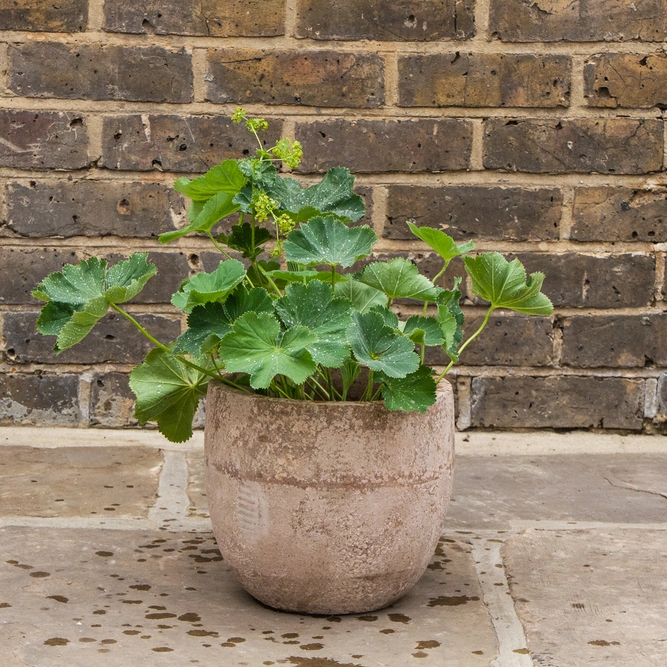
367	618
312	647
602	642
387	631
56	641
451	601
40	575
429	643
319	662
190	617
162	649
399	618
58	598
4	605
521	651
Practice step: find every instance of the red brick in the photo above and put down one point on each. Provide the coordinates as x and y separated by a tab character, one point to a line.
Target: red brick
484	80
92	208
582	145
620	214
367	146
615	341
557	402
578	20
475	212
43	140
399	20
44	15
315	78
100	72
177	143
233	18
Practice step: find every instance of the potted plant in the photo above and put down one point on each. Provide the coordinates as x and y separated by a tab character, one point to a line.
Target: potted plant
329	441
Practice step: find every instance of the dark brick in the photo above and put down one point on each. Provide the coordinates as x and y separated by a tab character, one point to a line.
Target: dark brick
386	145
557	402
112	340
177	143
315	78
475	212
582	145
512	340
44	15
578	21
92	208
43	140
39	400
483	80
615	341
23	268
620	214
576	280
400	20
233	18
626	80
111	401
100	72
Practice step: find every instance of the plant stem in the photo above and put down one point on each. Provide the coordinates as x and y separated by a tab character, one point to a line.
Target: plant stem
218	247
333	276
444	268
257	265
463	347
423	352
376	395
369	387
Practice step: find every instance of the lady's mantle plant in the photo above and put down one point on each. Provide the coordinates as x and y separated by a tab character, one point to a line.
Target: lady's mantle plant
296	325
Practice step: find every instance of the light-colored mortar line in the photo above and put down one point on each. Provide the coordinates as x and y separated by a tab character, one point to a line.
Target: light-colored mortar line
123	107
199	69
482	15
290	18
172	502
84	397
94	126
664	143
464	401
391	80
557	349
635	373
521	525
379	216
477	147
577	98
651	401
287	42
566	212
4	66
95	20
289	129
659	277
498	600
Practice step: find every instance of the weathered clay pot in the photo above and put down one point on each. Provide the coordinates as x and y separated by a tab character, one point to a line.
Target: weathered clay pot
326	508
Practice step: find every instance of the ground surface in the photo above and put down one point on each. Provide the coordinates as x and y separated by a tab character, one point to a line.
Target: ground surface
547	559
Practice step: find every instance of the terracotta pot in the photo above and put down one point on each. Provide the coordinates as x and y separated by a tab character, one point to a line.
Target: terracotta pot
326	508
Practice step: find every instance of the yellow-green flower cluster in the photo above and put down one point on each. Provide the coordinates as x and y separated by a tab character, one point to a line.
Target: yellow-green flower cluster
290	152
264	206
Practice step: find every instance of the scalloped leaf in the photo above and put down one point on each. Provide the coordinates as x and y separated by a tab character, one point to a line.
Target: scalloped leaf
363	297
399	279
206	287
442	243
424	330
224	177
414	392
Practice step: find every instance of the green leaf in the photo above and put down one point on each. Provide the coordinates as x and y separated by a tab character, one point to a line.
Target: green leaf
314	307
333	195
362	296
389	316
85	291
503	284
379	347
443	244
167	392
349	372
450	318
399	279
245	240
205	287
216	208
424	330
415	392
258	347
328	241
225	177
255	275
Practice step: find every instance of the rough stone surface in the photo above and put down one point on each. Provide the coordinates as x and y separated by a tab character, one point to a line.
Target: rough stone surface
368	513
145	142
235	18
43	140
483	80
197	485
561	583
111	401
92	208
557	402
607	146
620	214
100	72
315	78
578	21
617	341
78	481
385	145
44	15
475	212
626	80
158	596
400	21
577	280
39	399
112	340
492	491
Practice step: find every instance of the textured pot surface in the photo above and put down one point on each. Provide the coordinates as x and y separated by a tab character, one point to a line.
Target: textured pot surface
326	508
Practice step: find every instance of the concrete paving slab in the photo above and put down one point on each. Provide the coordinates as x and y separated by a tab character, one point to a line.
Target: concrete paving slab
78	481
197	485
591	597
76	598
490	492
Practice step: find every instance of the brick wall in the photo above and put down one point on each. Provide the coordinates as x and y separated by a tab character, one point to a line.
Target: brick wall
531	127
